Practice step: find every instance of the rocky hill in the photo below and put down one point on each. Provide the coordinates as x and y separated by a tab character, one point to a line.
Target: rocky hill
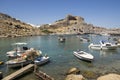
11	27
72	25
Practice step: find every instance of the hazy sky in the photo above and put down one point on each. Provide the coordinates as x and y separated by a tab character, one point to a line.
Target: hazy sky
105	13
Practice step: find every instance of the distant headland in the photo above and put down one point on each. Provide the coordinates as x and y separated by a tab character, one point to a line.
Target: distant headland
11	27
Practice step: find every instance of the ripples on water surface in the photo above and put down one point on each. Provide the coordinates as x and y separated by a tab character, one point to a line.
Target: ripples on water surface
61	55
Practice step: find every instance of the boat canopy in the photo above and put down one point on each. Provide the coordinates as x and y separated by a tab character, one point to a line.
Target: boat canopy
20	43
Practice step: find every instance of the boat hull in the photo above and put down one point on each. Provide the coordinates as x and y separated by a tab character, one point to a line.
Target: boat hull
14	54
19	64
41	62
82	57
99	47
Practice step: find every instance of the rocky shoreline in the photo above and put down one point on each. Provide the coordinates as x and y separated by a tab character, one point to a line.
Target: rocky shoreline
76	74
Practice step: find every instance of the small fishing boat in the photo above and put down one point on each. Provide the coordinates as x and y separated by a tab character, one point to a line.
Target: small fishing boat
41	60
84	39
61	39
20	47
26	58
103	46
19	62
83	55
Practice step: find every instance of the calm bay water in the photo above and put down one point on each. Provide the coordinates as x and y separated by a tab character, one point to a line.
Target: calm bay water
61	55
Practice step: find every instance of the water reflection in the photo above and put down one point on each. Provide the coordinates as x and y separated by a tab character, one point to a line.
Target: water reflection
108	53
61	54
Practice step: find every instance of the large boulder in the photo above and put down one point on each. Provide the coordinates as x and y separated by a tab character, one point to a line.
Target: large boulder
75	77
109	77
73	71
90	74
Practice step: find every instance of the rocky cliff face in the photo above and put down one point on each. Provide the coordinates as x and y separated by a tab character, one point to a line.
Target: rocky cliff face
11	27
72	25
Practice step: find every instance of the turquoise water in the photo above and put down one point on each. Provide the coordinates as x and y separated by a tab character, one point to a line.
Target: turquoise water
61	55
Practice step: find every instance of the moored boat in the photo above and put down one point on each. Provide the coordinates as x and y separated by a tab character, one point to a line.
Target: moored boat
25	59
41	60
19	62
61	39
103	46
83	55
84	39
20	48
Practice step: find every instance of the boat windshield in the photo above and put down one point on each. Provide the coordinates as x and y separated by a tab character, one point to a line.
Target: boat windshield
39	58
19	43
80	52
102	42
108	44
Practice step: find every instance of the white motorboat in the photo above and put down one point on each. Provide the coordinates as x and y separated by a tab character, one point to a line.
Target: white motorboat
83	55
84	39
103	46
19	48
41	60
118	44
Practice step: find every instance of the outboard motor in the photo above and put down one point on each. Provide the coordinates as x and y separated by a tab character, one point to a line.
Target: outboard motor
1	75
102	42
25	48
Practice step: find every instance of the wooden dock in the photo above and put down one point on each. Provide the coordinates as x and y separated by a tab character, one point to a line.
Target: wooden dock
19	72
43	76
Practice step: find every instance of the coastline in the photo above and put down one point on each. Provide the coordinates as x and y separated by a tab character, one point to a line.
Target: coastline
104	67
42	34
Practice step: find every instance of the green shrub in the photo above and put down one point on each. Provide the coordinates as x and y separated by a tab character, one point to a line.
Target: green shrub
47	31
